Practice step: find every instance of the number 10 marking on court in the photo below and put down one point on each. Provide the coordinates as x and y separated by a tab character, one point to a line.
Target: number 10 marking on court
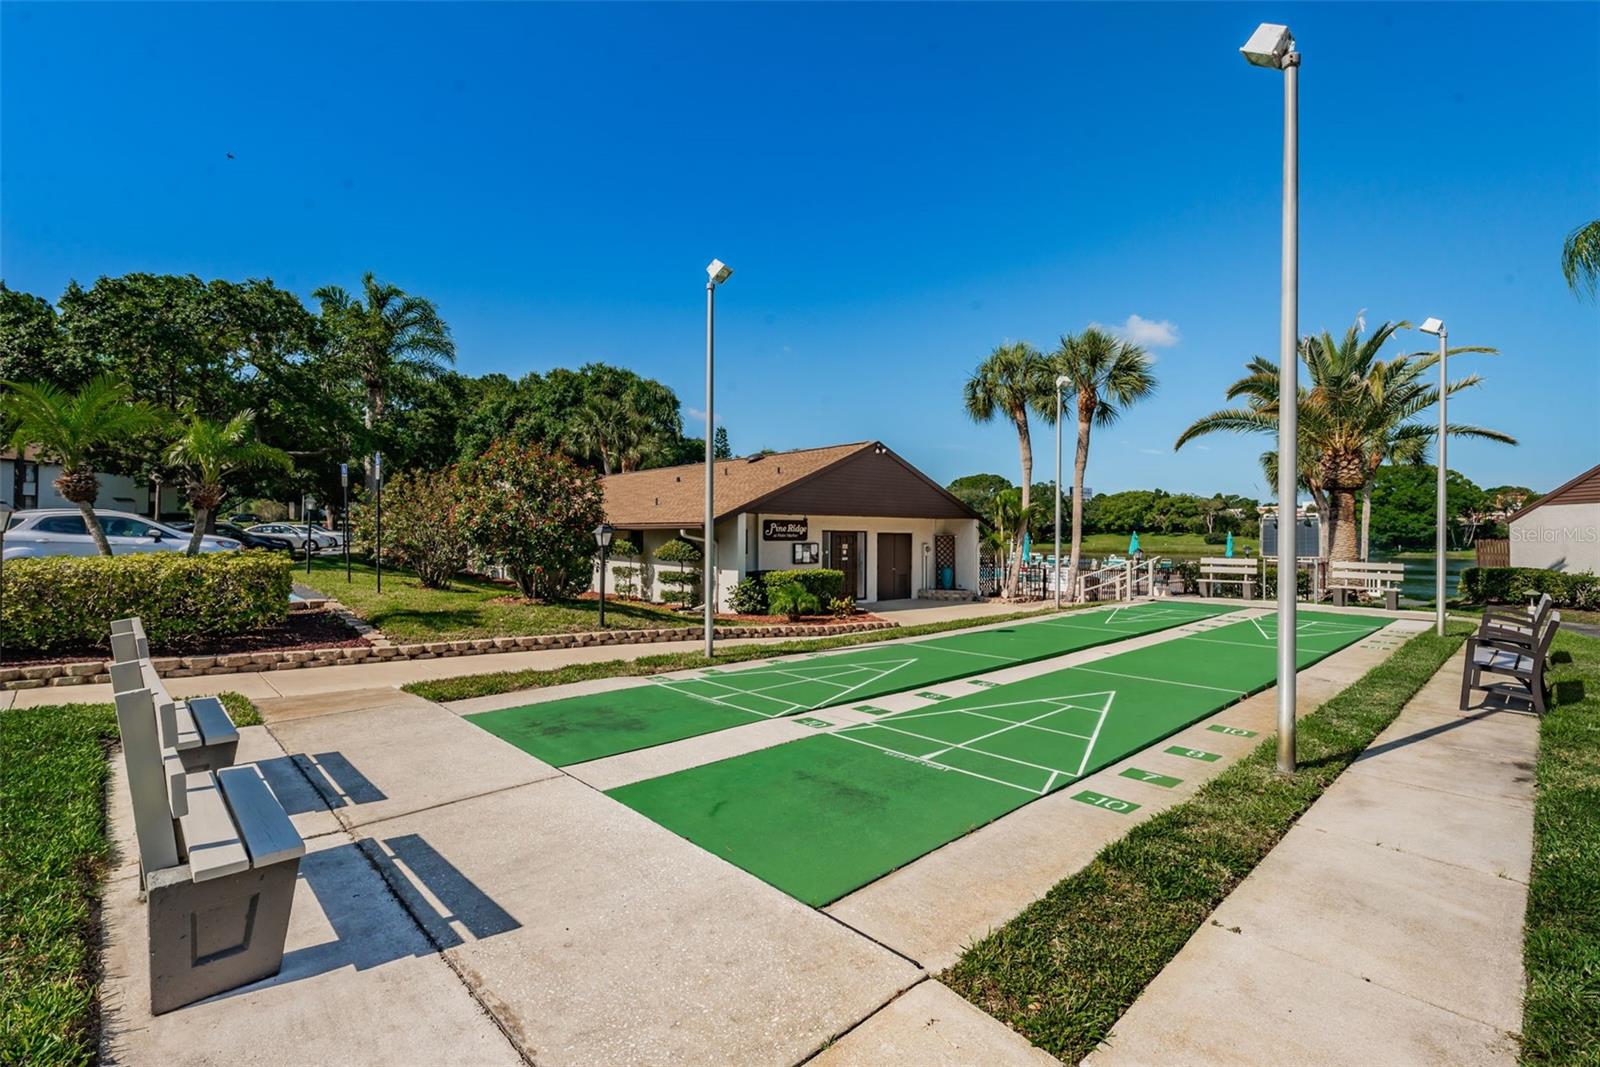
1231	731
1100	800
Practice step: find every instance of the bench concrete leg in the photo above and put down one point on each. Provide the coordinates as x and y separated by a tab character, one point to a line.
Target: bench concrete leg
1338	597
209	757
1391	600
209	937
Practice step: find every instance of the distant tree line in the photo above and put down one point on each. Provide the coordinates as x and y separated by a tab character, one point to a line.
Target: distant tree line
1144	510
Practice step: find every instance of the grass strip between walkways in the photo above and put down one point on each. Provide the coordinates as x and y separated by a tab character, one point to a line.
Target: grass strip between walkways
1064	970
825	815
729	651
53	856
577	729
1561	952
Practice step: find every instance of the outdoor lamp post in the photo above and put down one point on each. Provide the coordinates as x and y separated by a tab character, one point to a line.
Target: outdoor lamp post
344	488
5	520
602	537
1434	326
1273	46
717	272
1061	383
377	533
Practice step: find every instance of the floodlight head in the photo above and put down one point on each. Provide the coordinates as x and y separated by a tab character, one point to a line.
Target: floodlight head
1433	326
718	271
1062	381
602	534
1268	45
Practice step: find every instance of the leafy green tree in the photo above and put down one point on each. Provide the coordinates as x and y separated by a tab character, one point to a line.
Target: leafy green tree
1351	416
720	448
1403	505
70	429
978	491
32	347
210	453
534	511
1012	380
1106	375
1580	259
388	342
422	527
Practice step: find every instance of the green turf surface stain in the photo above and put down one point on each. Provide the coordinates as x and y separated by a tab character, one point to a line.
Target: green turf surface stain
1192	753
577	729
1100	800
824	815
1165	781
1231	731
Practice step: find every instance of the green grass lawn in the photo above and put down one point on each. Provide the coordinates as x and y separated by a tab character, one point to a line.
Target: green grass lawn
1154	544
1561	951
471	607
1065	970
53	857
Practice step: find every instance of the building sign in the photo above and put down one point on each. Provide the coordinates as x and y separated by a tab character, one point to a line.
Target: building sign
783	529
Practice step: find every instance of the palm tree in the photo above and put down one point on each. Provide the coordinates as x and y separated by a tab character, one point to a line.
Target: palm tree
1580	259
1357	413
596	429
1106	374
392	339
212	452
68	428
1014	378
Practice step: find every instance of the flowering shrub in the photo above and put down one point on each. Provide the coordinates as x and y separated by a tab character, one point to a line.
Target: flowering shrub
421	525
535	512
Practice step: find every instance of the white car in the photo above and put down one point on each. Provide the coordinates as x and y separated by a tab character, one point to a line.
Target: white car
62	532
295	534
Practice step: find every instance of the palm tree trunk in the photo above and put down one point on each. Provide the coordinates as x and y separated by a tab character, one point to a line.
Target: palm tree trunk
1025	447
1345	544
1080	463
1366	520
200	518
92	521
369	419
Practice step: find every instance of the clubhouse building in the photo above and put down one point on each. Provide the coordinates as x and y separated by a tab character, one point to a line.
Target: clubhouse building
857	508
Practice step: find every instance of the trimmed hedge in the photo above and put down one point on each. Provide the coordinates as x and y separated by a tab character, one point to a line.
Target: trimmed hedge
69	601
1490	585
826	585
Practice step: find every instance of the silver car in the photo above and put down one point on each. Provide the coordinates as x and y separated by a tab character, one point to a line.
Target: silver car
62	532
294	533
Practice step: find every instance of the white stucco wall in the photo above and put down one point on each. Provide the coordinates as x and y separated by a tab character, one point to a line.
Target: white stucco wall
741	550
1560	537
117	492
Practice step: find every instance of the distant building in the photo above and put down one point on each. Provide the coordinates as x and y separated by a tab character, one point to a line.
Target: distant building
858	508
28	482
1561	530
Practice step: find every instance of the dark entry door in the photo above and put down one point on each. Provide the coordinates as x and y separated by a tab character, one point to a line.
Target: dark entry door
842	555
894	566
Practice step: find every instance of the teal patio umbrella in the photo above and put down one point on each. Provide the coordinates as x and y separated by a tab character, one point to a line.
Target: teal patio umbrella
1229	552
1133	543
1027	548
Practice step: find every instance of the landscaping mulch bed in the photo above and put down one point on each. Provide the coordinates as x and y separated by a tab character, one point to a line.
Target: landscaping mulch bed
302	629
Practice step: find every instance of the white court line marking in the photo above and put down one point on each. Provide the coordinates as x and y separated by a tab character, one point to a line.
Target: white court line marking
903	716
950	745
1007	729
1251	644
959	770
790	706
969	652
1163	681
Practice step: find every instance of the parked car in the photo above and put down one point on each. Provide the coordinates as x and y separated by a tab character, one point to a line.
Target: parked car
62	532
244	537
335	536
293	533
245	518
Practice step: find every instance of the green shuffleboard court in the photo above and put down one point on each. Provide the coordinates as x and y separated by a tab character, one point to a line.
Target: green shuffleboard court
576	729
825	815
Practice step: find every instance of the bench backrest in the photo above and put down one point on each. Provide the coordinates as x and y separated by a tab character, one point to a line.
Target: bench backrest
128	641
149	784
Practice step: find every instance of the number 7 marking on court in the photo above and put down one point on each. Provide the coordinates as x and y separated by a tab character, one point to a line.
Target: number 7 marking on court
1165	781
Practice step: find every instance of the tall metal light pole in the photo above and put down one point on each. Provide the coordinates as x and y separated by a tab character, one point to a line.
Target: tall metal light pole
717	272
5	520
1061	383
1434	326
1273	46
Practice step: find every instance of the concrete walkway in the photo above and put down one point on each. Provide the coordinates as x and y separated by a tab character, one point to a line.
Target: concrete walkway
1386	927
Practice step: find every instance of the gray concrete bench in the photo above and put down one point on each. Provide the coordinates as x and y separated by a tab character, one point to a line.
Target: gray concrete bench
1369	579
199	730
218	859
1521	658
1220	570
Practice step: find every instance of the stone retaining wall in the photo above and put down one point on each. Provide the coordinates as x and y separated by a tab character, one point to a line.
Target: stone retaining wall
63	674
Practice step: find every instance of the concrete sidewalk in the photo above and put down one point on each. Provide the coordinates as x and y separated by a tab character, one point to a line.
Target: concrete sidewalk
1386	927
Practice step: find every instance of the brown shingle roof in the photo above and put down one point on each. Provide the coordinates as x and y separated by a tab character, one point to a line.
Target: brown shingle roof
675	496
1584	489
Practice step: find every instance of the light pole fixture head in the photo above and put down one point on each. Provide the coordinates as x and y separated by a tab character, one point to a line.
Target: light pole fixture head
603	534
1062	381
1268	46
1433	326
718	271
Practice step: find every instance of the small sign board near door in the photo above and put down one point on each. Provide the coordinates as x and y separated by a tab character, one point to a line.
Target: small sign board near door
783	529
894	566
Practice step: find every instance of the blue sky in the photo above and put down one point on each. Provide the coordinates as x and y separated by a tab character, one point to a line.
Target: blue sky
899	188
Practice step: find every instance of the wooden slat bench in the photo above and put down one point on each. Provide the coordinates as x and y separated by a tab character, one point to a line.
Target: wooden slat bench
1221	570
1369	579
199	730
218	859
1522	658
